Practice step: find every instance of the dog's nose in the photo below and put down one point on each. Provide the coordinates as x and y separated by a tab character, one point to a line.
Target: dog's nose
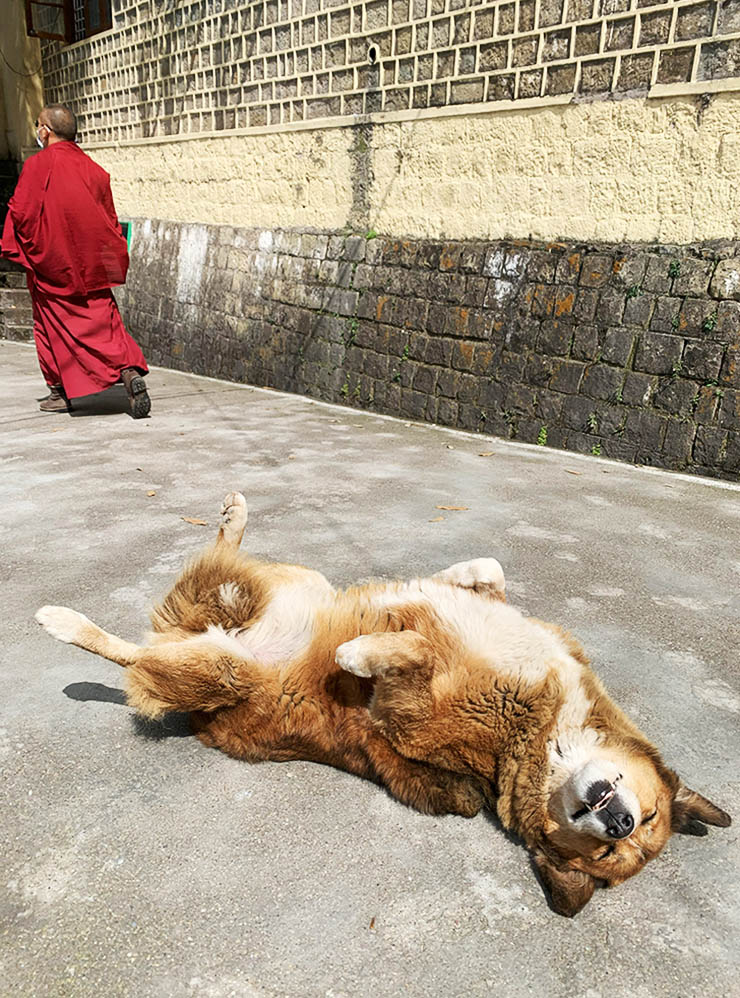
619	824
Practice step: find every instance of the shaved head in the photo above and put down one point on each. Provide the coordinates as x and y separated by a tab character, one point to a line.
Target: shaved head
61	120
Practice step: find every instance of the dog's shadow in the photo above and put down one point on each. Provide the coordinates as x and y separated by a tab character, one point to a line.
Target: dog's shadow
172	725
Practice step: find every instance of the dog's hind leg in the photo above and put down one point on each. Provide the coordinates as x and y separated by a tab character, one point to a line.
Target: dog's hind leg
197	675
233	520
176	675
76	629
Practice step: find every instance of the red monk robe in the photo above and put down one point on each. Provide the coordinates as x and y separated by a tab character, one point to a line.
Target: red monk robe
62	227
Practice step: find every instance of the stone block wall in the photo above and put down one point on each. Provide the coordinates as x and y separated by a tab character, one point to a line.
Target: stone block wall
631	352
454	129
221	65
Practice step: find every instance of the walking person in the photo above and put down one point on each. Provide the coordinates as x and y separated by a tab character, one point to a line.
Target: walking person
63	229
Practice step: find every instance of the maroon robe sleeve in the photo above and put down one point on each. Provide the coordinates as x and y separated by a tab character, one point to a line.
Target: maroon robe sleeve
62	224
23	207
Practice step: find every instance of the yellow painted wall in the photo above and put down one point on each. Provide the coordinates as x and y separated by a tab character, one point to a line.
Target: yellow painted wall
20	81
635	170
275	180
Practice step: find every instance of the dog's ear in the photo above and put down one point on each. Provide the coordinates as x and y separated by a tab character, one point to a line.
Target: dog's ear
689	807
569	890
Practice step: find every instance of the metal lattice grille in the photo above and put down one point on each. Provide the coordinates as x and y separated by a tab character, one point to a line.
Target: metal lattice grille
78	14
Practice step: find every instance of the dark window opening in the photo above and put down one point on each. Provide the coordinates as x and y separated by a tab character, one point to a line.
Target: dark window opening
67	20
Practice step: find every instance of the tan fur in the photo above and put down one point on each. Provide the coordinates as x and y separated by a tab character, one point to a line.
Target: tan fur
442	693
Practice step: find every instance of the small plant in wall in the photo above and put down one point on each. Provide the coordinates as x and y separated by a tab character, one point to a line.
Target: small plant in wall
710	322
542	437
401	361
593	422
351	334
510	419
634	291
344	390
674	269
596	450
620	429
371	234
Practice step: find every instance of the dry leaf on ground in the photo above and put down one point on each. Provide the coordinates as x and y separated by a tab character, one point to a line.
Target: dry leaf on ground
437	519
486	453
151	493
569	472
452	507
192	519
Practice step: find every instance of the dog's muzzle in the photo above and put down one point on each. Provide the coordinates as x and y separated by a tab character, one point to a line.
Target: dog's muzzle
603	799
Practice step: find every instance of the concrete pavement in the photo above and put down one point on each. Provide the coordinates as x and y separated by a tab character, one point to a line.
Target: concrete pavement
137	863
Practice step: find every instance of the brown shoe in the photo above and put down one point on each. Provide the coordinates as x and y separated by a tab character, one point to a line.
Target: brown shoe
55	401
137	394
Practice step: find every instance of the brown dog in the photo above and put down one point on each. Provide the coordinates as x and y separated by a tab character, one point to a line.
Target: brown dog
435	688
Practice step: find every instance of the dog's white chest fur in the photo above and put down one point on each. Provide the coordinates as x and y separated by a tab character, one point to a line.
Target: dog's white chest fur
493	631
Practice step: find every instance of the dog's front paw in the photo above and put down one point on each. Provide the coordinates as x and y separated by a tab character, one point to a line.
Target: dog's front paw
460	794
479	574
61	622
352	656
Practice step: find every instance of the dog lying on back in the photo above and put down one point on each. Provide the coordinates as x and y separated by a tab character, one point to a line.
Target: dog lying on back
435	688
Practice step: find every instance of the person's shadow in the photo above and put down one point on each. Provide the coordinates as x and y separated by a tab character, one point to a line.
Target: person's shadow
172	725
110	402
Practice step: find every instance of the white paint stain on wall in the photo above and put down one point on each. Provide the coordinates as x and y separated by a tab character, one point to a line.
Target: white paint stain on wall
730	283
190	262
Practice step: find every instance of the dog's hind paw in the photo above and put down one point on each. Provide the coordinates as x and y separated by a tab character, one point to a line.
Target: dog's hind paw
233	517
61	622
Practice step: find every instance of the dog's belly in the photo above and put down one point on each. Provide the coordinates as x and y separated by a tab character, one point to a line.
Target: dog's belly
283	631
